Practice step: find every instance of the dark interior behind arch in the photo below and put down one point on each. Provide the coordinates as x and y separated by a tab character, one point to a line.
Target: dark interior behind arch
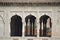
16	25
43	19
30	19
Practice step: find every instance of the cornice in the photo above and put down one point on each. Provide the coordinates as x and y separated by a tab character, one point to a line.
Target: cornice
29	4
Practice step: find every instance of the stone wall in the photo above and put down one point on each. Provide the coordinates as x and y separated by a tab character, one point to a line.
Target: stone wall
7	12
32	1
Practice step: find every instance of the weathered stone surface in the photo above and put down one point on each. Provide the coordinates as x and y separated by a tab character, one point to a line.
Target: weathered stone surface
32	1
23	11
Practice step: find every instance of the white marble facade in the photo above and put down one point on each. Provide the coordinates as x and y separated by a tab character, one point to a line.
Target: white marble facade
7	12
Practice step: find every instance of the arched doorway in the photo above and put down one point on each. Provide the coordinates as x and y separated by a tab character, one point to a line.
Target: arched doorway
45	26
30	28
16	25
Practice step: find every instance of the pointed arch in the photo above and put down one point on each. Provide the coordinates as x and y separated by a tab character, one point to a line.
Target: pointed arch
45	26
30	29
1	27
16	25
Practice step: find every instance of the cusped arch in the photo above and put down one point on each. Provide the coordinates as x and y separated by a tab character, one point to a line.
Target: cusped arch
16	25
30	17
45	26
30	29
